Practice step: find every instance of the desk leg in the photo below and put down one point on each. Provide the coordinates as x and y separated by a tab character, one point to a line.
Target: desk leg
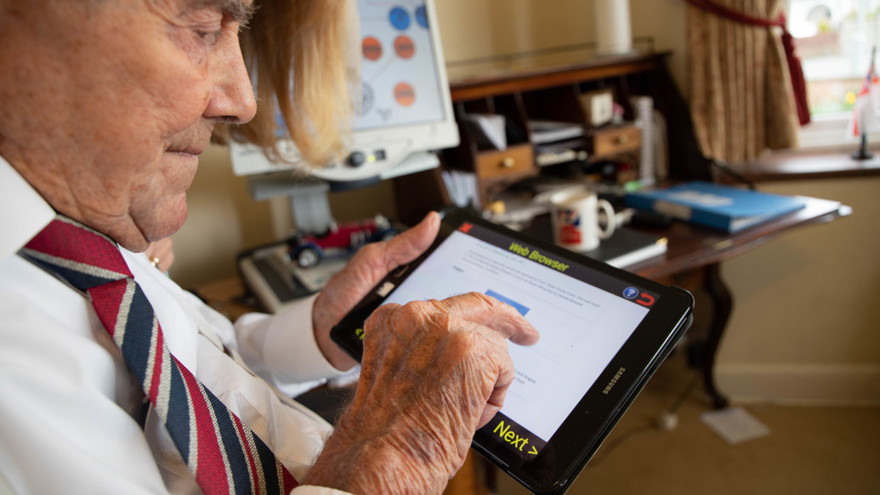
723	303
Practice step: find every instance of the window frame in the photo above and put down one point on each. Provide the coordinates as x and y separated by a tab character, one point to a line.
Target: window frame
828	131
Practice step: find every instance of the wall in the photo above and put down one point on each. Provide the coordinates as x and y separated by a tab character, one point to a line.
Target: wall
473	29
222	220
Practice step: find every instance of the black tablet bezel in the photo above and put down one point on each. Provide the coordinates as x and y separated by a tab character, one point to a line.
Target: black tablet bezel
592	419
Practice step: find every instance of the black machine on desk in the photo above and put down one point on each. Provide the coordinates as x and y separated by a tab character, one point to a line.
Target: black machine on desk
300	265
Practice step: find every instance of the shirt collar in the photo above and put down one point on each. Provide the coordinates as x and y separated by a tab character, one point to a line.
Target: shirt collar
23	212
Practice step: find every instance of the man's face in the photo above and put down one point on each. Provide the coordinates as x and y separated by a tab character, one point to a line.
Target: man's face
129	93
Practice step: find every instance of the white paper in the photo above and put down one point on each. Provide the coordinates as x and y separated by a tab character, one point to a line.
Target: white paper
735	425
462	188
490	127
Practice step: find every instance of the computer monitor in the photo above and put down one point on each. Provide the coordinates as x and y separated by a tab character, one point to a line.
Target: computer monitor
405	109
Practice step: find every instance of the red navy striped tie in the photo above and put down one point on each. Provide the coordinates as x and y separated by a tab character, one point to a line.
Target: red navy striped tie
223	454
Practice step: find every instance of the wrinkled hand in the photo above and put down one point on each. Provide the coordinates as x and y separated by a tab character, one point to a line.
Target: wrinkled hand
369	265
433	372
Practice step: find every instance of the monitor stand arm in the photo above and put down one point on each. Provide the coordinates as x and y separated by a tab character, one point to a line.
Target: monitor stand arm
309	201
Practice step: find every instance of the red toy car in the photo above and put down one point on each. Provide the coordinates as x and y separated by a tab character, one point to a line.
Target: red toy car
308	249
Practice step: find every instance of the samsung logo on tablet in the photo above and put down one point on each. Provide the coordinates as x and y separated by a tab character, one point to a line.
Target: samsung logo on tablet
614	380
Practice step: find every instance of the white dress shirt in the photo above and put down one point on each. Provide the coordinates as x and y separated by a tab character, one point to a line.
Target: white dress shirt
67	397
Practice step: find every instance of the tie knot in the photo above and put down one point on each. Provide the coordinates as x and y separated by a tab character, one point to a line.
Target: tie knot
82	256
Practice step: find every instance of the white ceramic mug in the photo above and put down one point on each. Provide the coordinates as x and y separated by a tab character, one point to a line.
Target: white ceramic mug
575	220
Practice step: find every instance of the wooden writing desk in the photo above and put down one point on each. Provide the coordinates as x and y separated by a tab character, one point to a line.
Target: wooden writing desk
691	246
693	256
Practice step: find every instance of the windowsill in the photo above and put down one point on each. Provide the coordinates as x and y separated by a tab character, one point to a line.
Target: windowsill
831	131
825	152
810	164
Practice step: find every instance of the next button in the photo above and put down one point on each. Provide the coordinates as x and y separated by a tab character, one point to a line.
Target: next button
515	439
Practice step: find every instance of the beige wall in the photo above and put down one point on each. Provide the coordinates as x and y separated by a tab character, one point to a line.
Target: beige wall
805	320
473	29
222	220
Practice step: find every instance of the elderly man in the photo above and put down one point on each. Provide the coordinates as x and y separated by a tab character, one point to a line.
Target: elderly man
113	379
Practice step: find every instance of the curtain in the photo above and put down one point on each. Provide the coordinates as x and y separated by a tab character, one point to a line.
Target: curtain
742	102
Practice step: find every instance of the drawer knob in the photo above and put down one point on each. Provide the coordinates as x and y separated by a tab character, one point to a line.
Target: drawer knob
622	139
508	162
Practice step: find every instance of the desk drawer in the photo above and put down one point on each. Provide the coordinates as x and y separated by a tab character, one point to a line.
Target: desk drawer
514	160
614	140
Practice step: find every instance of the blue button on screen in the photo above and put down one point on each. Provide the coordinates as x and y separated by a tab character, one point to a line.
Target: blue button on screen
399	18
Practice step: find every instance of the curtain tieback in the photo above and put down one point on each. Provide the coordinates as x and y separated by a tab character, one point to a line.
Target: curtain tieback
795	69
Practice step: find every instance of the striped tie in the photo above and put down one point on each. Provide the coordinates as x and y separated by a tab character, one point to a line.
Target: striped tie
223	454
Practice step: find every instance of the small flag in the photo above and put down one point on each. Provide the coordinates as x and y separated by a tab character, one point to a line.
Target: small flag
865	117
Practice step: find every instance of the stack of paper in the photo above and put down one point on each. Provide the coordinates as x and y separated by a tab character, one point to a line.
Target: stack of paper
547	131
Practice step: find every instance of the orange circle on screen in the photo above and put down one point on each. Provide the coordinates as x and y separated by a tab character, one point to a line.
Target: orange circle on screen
372	48
404	94
404	47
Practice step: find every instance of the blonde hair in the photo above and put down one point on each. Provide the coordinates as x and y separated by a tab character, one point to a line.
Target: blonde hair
301	54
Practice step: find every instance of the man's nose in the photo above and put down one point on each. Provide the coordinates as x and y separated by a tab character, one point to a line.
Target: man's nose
232	98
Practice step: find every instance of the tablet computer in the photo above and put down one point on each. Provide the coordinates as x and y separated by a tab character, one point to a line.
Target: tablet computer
604	331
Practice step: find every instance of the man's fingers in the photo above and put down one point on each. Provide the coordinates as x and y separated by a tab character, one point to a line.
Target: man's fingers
506	376
490	312
406	246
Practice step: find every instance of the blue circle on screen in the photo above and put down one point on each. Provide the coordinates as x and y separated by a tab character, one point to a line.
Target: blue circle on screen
422	16
399	18
630	293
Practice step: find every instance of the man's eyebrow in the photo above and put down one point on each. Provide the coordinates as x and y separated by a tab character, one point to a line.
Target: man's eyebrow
240	10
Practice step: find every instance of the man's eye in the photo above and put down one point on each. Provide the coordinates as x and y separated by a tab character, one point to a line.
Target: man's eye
209	37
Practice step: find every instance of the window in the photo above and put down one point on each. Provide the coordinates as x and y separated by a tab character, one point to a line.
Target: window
835	40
